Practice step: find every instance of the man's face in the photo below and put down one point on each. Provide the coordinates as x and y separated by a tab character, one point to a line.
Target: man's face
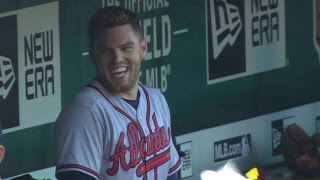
117	54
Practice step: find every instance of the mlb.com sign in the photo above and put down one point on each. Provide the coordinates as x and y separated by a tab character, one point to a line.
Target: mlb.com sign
239	146
244	37
30	66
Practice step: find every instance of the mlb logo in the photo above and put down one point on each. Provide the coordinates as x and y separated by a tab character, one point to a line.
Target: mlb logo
9	99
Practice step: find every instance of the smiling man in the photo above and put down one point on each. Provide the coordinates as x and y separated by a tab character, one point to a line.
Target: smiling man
116	128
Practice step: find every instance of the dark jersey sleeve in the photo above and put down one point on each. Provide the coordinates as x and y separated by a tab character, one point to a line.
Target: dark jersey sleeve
74	175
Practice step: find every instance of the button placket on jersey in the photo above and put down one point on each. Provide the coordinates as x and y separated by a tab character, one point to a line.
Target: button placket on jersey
140	118
143	124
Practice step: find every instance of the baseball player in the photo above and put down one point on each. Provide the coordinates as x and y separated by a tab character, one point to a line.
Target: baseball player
116	128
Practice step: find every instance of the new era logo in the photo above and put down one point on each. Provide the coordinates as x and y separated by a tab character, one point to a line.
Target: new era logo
7	76
226	25
9	73
226	43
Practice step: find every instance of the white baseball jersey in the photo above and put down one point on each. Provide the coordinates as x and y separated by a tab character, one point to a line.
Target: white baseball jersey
105	137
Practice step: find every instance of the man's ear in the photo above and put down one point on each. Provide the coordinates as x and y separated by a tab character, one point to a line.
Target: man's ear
144	48
2	152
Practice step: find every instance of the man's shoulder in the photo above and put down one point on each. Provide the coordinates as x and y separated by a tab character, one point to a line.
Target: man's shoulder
86	96
84	101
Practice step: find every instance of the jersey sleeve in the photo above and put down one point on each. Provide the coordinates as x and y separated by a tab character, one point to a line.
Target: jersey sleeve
176	160
74	175
79	135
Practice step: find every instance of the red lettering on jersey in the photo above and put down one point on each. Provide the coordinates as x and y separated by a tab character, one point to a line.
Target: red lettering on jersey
139	147
119	155
134	149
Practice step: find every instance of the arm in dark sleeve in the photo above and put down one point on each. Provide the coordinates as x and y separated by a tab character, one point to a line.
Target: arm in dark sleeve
173	177
74	175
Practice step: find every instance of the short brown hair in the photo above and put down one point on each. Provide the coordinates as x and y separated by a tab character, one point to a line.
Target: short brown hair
112	16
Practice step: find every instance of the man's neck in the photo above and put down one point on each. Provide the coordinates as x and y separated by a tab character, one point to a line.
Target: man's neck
130	94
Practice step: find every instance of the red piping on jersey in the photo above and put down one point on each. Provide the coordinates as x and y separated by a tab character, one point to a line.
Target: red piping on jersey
149	127
77	166
148	108
119	109
153	162
176	166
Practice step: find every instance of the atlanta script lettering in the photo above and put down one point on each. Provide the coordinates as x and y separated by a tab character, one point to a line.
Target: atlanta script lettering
139	147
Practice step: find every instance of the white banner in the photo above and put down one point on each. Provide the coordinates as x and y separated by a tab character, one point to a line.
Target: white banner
36	66
244	38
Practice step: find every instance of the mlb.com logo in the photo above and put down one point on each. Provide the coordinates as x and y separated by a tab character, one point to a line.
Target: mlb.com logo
239	146
226	38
